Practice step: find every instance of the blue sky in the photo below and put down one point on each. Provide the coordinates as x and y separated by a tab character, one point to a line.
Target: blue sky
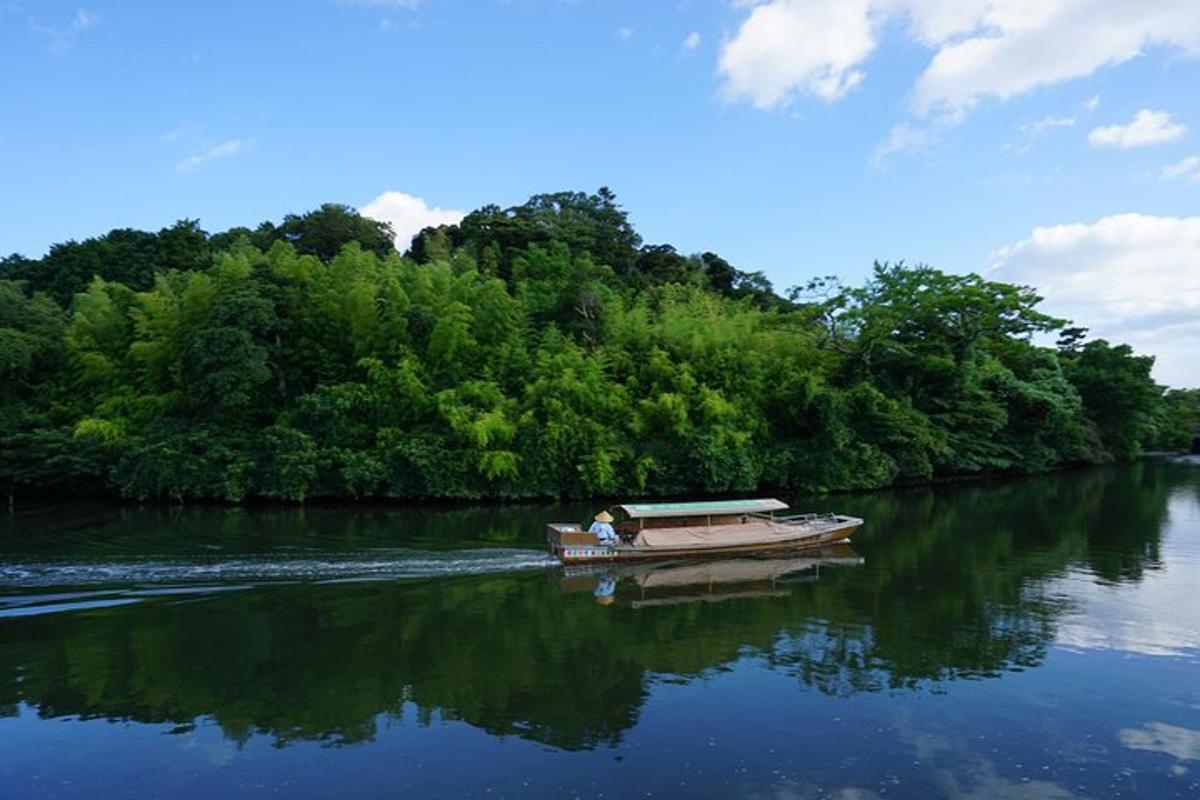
1052	142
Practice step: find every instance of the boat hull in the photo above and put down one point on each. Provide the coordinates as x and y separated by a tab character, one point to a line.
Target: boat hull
578	551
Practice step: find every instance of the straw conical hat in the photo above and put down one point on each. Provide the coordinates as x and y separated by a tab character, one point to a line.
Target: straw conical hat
604	516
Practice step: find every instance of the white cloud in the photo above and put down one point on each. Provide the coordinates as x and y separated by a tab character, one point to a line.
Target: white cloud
1004	48
1047	123
1159	737
982	48
1130	278
1032	130
903	138
1146	128
84	19
1188	169
790	46
1092	104
625	32
691	41
64	38
227	149
407	215
179	133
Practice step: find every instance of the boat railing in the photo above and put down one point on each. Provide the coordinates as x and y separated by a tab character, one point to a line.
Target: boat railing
798	519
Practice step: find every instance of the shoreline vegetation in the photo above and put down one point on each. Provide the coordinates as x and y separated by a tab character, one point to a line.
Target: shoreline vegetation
539	351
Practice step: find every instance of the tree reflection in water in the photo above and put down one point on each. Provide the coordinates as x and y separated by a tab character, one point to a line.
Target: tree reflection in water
950	588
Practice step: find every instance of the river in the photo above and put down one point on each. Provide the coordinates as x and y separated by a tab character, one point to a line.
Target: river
1033	638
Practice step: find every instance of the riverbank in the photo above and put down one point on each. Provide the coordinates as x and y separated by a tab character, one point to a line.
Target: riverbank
39	503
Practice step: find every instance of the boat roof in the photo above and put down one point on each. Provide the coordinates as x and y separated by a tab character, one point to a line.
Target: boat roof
705	508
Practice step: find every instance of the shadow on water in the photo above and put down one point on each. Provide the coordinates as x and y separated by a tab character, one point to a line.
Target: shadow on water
949	589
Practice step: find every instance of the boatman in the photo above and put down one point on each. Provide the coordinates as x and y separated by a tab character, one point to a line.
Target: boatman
603	528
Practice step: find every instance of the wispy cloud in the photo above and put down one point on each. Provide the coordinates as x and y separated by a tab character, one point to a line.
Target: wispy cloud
411	5
1188	170
63	38
180	133
625	32
903	138
1029	131
1048	123
691	41
1146	128
227	149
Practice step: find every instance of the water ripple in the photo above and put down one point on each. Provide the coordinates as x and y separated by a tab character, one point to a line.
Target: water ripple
372	564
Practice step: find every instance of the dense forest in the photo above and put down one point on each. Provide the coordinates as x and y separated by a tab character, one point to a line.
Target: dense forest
536	351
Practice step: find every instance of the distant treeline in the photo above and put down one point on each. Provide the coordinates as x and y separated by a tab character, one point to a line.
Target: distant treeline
540	350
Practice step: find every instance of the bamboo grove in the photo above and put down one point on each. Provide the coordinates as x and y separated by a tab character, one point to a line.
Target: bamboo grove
536	351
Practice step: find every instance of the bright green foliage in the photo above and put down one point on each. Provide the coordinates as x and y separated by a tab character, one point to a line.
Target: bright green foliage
536	351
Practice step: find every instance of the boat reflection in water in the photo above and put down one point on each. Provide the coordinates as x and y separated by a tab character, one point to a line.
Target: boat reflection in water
667	583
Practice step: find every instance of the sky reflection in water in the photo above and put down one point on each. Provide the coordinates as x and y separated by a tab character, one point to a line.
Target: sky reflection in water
1029	639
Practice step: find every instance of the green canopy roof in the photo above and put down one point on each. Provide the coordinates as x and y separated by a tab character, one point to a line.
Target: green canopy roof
706	508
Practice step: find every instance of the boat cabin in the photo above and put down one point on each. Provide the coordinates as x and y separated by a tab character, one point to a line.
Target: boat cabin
636	517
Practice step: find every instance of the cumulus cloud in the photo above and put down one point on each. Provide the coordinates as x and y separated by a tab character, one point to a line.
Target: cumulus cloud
227	149
1146	128
407	215
1188	170
1004	48
789	46
1130	278
981	48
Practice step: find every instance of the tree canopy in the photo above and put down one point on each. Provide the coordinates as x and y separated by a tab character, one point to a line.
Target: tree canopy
540	350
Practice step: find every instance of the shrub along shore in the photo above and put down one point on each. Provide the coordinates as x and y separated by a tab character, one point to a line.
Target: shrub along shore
536	351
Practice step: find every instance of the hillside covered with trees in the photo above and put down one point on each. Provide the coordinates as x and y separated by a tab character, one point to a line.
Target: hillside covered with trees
541	350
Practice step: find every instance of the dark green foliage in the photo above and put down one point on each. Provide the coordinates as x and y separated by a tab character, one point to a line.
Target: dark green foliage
1119	398
535	351
1179	422
124	256
321	233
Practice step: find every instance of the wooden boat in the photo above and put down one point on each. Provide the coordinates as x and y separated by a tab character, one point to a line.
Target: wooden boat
690	530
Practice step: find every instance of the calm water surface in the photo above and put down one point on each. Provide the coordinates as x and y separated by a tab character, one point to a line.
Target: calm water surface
1027	639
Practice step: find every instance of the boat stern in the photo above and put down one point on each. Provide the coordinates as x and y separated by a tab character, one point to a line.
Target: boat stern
570	544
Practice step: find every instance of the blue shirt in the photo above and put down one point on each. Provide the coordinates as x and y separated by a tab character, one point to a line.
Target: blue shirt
605	532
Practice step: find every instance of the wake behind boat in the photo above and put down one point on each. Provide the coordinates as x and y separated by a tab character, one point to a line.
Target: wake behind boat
688	530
